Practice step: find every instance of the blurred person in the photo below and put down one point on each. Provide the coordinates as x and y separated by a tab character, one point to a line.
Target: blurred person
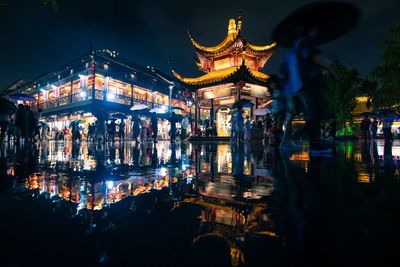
184	126
387	129
4	121
112	130
365	124
304	67
247	129
154	126
66	133
172	121
100	130
332	129
91	130
374	128
233	127
121	131
21	122
278	108
135	128
239	120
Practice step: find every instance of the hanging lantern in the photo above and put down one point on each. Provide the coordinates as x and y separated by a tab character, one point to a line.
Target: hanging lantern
241	84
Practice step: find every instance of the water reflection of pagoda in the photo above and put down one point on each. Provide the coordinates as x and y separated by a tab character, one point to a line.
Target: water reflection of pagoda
232	72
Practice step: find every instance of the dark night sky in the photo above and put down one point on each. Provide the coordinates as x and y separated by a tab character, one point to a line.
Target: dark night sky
35	39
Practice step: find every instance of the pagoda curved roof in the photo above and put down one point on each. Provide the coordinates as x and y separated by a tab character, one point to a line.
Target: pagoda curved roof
233	35
261	48
229	39
227	75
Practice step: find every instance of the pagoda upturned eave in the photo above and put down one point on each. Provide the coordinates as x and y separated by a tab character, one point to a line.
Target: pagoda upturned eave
232	40
227	75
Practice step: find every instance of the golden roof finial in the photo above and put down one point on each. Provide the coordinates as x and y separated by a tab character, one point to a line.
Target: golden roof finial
232	26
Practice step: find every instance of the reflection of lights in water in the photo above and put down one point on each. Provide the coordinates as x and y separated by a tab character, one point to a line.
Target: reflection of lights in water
395	150
162	171
11	172
247	167
110	184
189	178
300	156
363	177
110	96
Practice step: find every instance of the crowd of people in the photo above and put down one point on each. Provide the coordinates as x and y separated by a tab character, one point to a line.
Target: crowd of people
22	126
25	126
369	127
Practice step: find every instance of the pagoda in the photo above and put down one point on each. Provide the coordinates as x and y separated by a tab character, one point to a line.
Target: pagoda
231	72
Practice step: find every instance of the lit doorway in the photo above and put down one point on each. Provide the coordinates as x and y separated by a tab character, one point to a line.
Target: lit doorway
223	118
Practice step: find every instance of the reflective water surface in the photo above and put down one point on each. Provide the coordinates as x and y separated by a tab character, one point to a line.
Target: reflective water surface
127	203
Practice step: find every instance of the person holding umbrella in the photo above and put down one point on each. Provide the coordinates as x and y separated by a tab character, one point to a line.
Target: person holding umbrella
135	128
365	124
302	31
21	122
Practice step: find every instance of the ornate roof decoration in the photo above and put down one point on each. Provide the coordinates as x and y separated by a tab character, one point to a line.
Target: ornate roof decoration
232	60
227	75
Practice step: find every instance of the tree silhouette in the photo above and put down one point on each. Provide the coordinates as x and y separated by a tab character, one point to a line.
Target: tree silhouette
386	74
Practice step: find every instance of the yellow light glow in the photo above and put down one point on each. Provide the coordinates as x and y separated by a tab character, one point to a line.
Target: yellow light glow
227	42
217	76
362	99
261	48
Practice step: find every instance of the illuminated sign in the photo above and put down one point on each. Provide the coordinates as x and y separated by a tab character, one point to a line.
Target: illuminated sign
259	91
217	93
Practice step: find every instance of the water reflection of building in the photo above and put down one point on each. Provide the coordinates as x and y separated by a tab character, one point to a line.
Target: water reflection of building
232	72
217	175
95	181
232	206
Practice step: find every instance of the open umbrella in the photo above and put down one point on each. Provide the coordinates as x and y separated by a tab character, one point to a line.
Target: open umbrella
262	111
119	116
268	103
330	19
139	106
386	113
7	107
178	110
242	103
158	111
22	97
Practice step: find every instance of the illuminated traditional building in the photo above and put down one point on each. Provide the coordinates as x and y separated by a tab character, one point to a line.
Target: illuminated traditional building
232	72
98	80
